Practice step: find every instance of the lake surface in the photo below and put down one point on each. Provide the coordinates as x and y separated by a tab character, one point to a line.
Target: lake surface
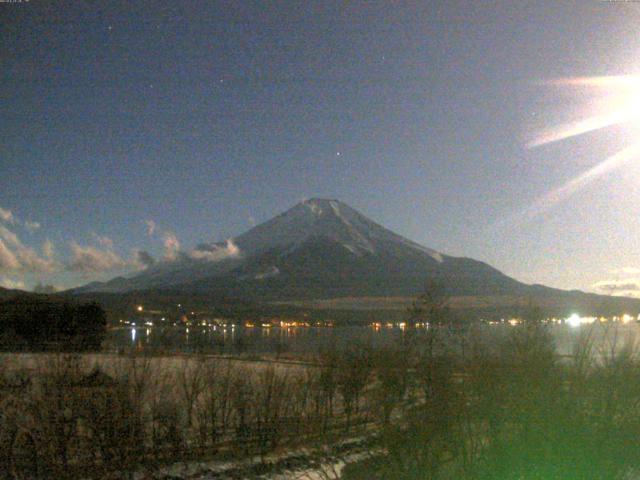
309	340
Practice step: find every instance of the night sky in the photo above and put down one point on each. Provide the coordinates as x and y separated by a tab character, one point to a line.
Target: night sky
137	126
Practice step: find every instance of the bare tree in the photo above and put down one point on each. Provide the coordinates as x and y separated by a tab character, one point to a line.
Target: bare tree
353	373
391	370
190	381
216	406
241	401
270	402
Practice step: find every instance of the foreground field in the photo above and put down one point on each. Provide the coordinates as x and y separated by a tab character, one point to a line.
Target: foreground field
440	404
114	364
78	416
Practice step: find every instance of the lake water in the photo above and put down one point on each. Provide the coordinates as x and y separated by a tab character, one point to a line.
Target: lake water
309	340
238	339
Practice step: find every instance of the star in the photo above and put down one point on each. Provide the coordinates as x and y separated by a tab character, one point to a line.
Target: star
337	154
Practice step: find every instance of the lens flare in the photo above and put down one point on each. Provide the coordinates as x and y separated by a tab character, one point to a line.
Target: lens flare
616	101
576	184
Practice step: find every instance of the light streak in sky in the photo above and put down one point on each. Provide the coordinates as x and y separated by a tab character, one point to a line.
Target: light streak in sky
564	191
617	102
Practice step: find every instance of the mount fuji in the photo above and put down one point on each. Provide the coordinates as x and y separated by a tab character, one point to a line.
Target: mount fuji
319	248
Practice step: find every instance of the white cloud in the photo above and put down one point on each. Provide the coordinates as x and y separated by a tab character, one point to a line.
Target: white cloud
171	246
151	227
215	253
87	259
48	249
94	260
8	260
629	287
10	237
6	215
33	262
106	242
16	256
31	226
628	270
6	282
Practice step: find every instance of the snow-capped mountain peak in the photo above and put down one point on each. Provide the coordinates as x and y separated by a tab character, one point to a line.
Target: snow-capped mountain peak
326	218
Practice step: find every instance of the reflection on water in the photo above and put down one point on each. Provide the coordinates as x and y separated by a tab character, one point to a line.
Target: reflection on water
235	339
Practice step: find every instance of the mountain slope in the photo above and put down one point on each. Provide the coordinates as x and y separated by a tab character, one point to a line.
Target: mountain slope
6	293
317	249
321	268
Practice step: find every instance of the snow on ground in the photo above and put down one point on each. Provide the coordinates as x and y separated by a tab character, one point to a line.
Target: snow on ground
324	471
112	363
297	464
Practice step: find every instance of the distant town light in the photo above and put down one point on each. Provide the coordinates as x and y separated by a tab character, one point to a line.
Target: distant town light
140	308
574	320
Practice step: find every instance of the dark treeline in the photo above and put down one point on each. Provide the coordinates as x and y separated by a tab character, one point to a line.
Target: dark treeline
123	306
38	322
